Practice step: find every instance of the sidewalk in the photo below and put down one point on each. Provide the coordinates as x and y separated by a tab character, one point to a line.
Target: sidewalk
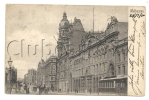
83	94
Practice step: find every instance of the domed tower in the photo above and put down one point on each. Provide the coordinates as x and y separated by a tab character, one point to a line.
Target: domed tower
63	40
64	26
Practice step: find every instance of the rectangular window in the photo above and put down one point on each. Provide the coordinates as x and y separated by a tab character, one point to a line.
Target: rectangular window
88	69
119	70
124	55
104	67
97	68
51	78
79	72
94	69
119	57
124	70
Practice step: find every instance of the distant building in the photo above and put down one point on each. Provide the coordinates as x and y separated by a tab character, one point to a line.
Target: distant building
26	78
30	77
32	73
41	73
10	77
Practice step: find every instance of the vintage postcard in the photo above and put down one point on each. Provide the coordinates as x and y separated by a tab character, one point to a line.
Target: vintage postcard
75	50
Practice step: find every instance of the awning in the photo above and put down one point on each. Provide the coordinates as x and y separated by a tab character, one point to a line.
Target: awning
115	78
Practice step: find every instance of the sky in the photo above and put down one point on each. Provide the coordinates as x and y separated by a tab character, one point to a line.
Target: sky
36	22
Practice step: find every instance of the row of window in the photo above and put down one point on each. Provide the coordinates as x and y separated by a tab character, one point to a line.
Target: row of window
62	75
121	70
121	56
50	78
91	69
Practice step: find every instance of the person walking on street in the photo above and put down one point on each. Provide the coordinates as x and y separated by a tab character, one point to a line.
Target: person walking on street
90	90
68	91
28	91
98	91
37	90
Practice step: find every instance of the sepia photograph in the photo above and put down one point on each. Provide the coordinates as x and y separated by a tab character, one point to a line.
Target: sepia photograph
72	50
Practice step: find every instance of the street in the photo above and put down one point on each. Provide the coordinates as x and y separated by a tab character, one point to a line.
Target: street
70	93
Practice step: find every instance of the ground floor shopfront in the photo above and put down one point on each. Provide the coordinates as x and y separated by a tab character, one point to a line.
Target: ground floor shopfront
95	84
85	84
51	85
62	85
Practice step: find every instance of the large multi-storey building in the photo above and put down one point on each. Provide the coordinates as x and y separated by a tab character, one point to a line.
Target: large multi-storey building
93	61
50	73
87	61
70	35
41	73
101	61
10	78
11	74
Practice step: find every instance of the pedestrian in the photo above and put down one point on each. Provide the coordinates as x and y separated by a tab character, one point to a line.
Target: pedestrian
90	90
39	90
68	91
98	91
28	91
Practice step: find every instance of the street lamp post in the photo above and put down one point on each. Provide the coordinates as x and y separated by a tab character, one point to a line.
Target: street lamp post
10	62
10	76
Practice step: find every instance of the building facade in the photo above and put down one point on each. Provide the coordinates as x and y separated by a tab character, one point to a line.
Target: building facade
101	62
32	73
70	35
98	60
87	61
31	77
50	74
26	78
10	78
41	73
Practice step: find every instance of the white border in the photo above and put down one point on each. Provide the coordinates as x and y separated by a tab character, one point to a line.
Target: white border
74	2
